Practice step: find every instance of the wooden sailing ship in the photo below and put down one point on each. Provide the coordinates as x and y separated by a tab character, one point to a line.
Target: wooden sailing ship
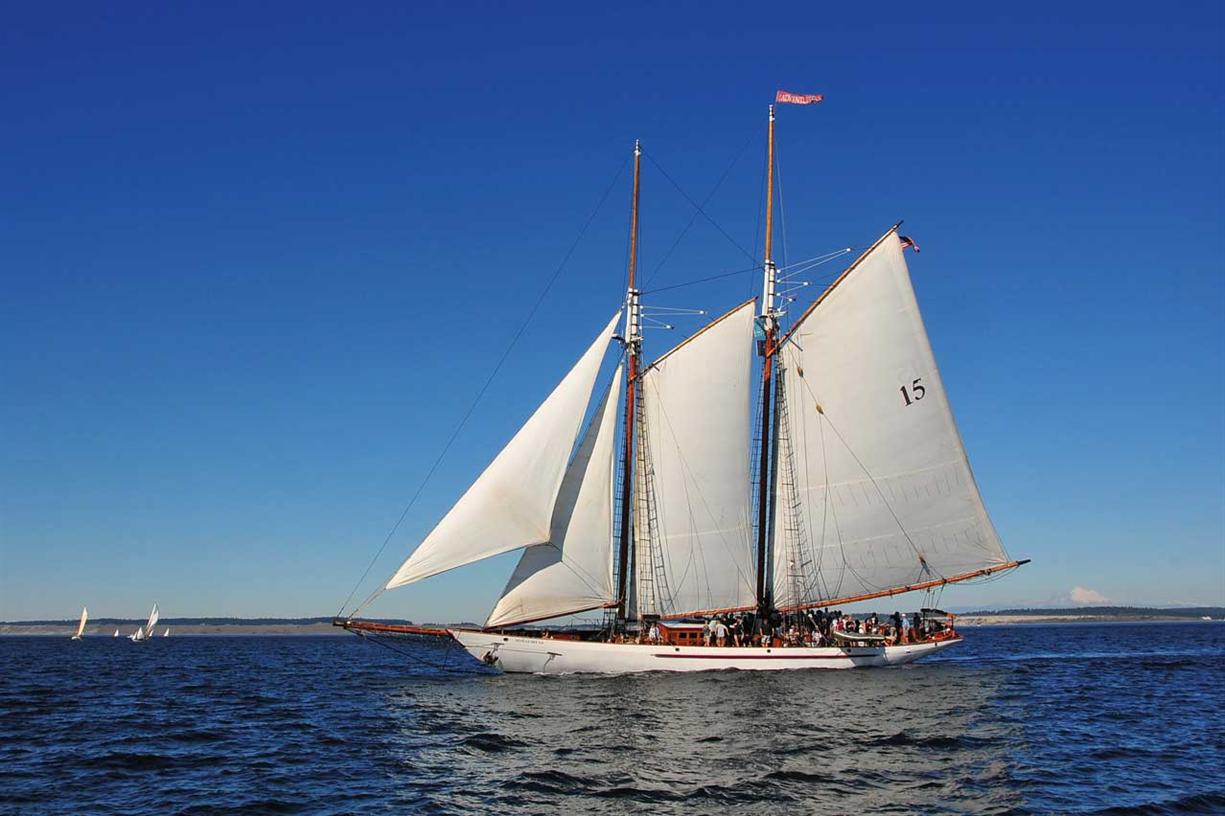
859	486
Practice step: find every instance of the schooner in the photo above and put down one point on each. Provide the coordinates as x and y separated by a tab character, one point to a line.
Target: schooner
668	507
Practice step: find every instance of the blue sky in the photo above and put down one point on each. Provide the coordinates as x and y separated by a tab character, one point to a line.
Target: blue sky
257	261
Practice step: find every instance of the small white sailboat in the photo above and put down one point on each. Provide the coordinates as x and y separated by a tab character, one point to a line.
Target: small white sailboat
167	632
81	625
116	633
144	633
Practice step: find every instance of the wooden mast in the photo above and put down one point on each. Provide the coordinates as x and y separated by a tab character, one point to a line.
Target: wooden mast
633	346
768	326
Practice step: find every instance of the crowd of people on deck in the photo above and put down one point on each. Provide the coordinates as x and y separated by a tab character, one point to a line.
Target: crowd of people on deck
811	628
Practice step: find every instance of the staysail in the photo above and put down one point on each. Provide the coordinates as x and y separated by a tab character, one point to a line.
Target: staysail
874	490
572	571
510	505
693	528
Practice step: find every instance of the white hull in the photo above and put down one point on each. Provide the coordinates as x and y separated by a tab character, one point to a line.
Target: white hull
513	653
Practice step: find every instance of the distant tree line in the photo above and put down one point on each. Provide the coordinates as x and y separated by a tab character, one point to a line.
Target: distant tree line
1108	611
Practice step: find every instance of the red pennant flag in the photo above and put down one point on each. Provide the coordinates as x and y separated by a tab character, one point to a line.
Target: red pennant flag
789	98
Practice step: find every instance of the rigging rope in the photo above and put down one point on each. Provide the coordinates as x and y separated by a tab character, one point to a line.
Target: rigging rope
481	393
442	667
720	276
698	207
693	218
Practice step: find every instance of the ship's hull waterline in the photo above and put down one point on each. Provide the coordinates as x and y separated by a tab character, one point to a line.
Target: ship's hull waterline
532	655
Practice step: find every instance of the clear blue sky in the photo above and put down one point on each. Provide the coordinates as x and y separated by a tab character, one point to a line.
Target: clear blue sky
256	261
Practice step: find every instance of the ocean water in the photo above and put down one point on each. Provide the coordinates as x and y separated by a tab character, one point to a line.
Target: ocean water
1110	719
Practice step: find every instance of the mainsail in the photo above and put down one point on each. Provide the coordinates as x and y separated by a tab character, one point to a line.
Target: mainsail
874	488
572	571
81	625
510	505
152	622
692	520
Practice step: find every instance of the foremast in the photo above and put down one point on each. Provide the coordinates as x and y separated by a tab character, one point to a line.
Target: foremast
633	351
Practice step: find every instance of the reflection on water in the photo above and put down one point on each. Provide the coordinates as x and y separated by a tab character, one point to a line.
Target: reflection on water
1118	719
871	741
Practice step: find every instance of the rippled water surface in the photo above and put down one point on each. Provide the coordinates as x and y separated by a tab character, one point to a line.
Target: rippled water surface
1023	719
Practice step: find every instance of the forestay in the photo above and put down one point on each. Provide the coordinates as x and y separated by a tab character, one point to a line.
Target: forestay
510	505
696	425
875	490
572	572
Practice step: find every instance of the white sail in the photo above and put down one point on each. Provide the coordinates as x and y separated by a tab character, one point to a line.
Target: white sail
116	633
874	488
692	510
572	572
152	622
167	632
510	505
81	625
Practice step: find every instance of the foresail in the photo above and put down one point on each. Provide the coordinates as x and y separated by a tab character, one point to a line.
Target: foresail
572	572
874	490
693	548
511	503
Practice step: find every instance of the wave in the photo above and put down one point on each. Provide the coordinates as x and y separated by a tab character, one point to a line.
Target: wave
1208	804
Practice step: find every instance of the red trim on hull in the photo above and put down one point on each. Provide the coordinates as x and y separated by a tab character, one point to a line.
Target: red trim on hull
759	657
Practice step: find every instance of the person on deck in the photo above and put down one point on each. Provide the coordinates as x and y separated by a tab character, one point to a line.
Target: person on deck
720	633
653	635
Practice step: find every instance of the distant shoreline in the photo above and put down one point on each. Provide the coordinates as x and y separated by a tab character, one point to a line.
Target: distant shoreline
1024	620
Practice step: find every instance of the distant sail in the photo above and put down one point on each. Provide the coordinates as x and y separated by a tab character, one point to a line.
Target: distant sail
874	487
167	632
81	625
695	426
116	633
573	571
510	505
152	622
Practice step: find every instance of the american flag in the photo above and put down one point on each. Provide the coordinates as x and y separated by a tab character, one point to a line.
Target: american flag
789	98
908	243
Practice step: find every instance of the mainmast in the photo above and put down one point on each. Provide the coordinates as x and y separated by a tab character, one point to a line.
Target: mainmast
767	322
633	349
